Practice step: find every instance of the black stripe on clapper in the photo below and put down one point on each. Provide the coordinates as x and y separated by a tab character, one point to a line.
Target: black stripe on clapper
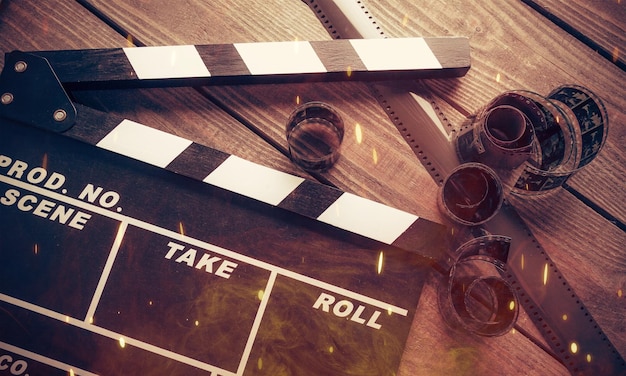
308	198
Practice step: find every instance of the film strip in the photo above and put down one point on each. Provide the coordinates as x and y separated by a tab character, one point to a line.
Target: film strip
577	342
261	62
549	139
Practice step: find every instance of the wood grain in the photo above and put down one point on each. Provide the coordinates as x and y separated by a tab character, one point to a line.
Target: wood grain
599	24
515	48
355	170
512	48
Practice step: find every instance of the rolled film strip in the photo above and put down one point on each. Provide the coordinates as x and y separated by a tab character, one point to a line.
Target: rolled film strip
569	128
351	19
502	135
471	195
314	134
473	296
261	62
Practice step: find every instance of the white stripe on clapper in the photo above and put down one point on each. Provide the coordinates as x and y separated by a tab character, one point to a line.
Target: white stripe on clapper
253	180
280	57
395	54
163	62
144	143
367	218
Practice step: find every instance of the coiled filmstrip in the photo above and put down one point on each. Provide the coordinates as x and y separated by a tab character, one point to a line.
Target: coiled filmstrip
474	297
569	128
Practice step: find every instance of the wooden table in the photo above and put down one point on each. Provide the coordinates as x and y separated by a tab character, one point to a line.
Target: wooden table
533	45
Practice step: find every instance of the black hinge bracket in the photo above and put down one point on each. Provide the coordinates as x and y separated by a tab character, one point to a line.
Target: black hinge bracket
31	93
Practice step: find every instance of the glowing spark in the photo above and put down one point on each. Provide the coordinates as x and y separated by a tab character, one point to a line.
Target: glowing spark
498	77
564	317
331	349
545	274
259	363
512	305
297	99
129	40
67	319
150	302
405	20
122	342
615	54
181	229
523	261
358	133
349	71
91	320
375	156
379	266
36	249
260	294
513	331
620	293
197	323
573	347
588	358
389	311
71	372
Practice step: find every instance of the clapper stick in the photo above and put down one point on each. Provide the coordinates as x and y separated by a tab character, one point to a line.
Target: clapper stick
261	62
25	73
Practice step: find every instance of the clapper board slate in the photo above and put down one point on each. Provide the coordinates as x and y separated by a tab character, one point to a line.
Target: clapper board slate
165	262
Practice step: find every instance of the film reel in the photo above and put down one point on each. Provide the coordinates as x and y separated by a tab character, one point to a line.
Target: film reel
474	297
564	132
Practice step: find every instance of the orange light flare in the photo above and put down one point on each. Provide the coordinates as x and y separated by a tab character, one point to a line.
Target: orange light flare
181	228
36	249
298	100
498	77
374	156
615	54
358	133
379	263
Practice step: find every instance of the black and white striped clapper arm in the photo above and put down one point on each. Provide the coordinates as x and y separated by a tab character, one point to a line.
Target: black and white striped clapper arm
261	62
294	194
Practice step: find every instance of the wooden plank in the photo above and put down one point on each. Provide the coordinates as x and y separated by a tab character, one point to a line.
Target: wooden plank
599	24
498	33
180	111
515	48
376	164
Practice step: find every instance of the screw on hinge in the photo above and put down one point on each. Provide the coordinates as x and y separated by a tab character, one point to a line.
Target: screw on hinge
6	98
20	66
60	115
